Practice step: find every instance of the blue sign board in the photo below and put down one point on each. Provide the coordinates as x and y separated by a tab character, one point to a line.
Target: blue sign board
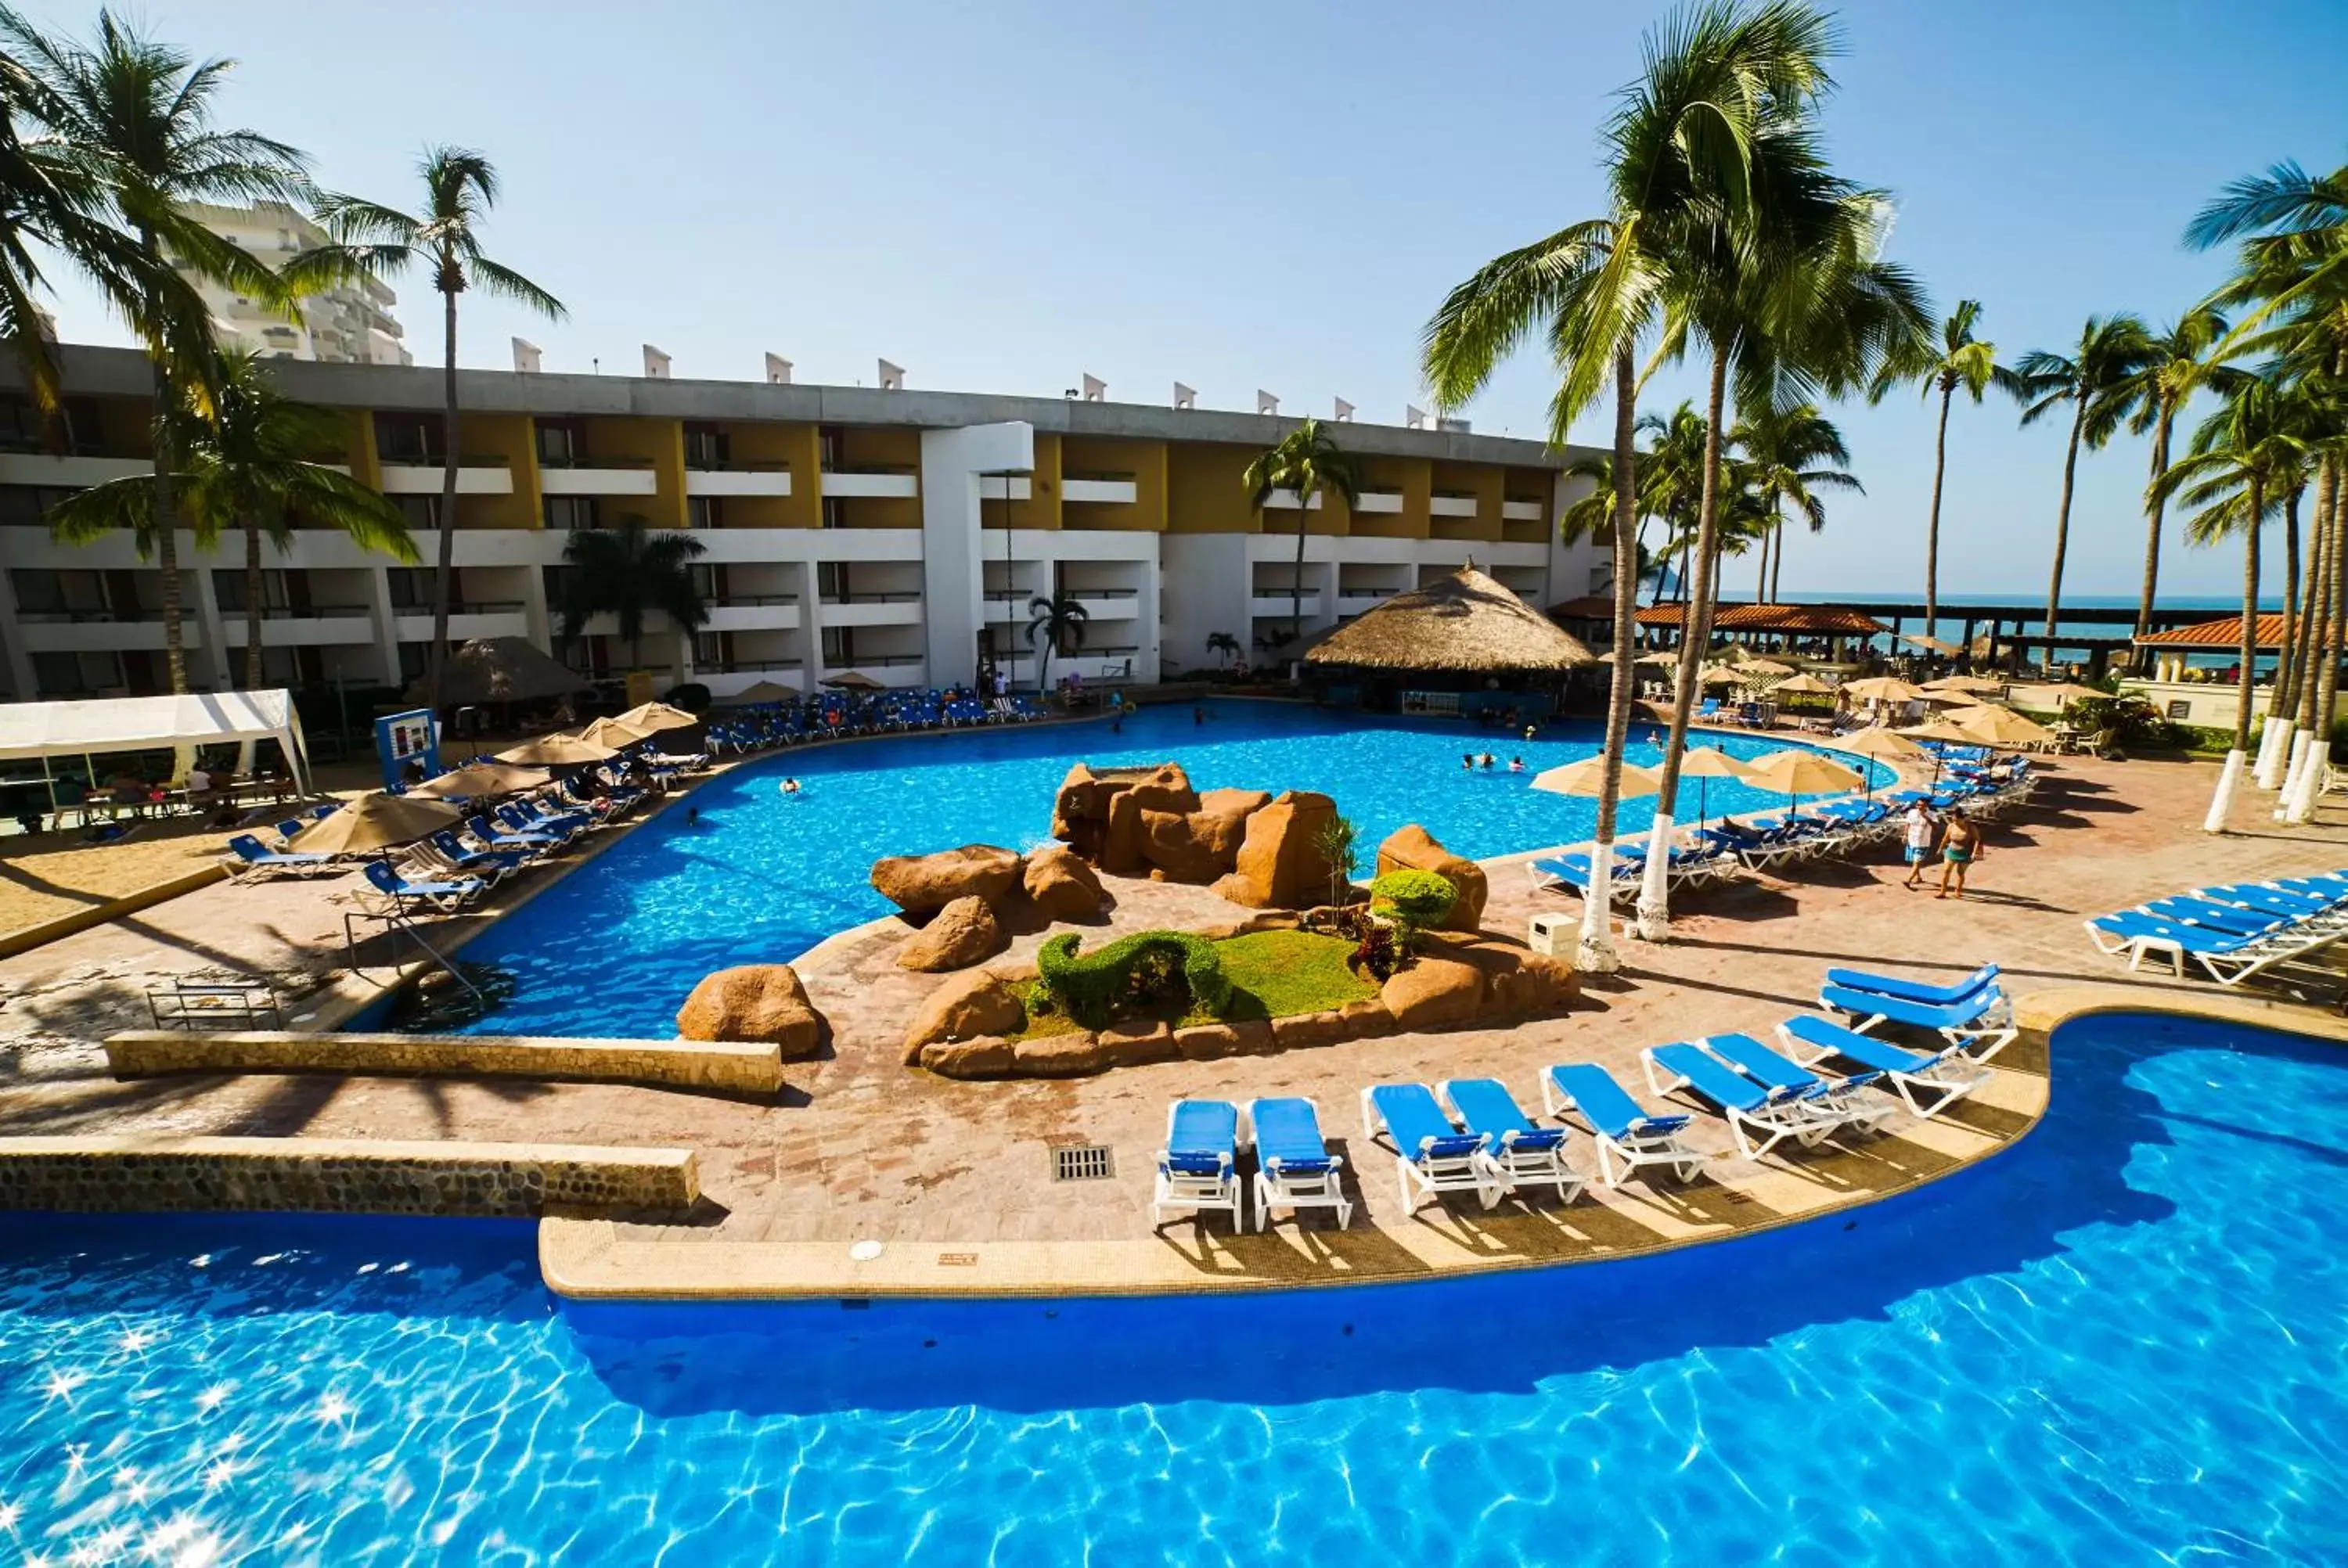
405	741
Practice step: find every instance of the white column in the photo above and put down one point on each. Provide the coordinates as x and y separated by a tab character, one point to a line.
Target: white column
1596	955
11	638
1146	663
2274	747
952	577
385	622
2223	798
807	641
226	664
1654	887
2294	778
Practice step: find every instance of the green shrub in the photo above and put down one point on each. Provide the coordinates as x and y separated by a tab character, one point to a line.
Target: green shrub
2136	725
1090	988
1413	898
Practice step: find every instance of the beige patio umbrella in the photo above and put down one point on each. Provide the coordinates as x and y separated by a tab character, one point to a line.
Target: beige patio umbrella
377	821
1878	744
616	734
1934	644
1703	764
1764	667
1720	675
476	779
1800	773
1587	778
2000	726
1965	684
1939	730
752	695
1805	683
1882	688
855	680
654	717
558	751
2058	696
1953	699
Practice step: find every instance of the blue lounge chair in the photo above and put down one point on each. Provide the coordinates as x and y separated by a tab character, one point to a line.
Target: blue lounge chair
1841	1099
254	858
2228	958
1626	1135
490	836
1431	1155
1983	1022
477	861
2214	915
1927	1085
443	897
1199	1168
1923	992
1574	871
1517	1153
1294	1169
1759	1119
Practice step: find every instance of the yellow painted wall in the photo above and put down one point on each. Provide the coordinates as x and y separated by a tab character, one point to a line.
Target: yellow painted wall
1041	510
359	449
1531	484
1203	490
887	448
757	443
1091	458
1414	476
513	438
1486	482
657	444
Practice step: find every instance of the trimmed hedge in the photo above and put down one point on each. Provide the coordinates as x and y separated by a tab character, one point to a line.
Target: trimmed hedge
1417	899
1088	988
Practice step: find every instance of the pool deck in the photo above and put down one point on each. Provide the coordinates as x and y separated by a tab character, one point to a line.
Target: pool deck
952	1179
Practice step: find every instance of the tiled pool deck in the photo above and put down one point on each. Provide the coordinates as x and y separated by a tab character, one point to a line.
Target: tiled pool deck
953	1179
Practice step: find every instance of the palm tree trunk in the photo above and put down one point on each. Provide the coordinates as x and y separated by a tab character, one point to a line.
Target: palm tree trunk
1296	582
2335	597
2063	529
252	616
1761	577
2288	664
2157	520
1597	953
1655	897
1932	518
167	534
2250	649
2320	632
1778	557
444	573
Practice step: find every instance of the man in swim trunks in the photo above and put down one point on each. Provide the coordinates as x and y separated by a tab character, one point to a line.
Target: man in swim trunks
1920	824
1960	845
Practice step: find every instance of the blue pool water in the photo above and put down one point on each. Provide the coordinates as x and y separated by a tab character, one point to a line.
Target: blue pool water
618	946
2124	1341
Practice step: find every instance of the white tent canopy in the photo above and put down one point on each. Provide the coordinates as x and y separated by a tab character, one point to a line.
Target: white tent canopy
150	724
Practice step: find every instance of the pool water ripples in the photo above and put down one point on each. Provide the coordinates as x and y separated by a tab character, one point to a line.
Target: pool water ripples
2125	1341
616	947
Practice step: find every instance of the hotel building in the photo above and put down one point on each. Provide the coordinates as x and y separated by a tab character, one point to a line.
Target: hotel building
900	533
351	322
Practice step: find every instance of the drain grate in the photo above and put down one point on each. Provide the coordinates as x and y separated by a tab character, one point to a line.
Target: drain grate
1082	1162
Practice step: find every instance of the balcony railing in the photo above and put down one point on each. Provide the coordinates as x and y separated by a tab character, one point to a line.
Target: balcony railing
894	596
755	465
1083	595
559	463
293	612
755	666
79	617
883	661
752	600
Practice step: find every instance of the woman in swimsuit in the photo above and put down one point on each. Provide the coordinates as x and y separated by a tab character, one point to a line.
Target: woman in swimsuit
1960	845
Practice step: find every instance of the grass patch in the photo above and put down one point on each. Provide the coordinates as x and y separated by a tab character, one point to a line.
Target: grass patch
1274	974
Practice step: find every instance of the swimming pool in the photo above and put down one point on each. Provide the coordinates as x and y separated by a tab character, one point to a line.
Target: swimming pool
762	877
2124	1341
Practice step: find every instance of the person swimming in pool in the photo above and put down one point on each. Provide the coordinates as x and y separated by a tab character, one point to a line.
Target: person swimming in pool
790	787
1516	764
1488	759
1467	762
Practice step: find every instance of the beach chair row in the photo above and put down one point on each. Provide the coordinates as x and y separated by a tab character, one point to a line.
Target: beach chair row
1470	1136
2233	932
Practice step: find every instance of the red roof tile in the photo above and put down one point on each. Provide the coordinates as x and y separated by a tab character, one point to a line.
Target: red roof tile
2217	636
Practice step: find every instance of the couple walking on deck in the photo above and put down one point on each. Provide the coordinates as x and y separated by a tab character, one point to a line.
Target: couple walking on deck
1960	846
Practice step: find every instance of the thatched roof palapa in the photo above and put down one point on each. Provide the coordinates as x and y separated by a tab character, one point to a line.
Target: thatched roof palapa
502	670
1466	622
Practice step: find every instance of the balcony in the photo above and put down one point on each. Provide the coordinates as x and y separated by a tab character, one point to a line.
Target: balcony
894	607
1003	487
626	477
108	636
466	621
1452	504
1112	489
753	613
749	666
1354	601
477	475
314	626
1107	603
1378	501
1522	510
1285	501
67	473
1278	604
749	479
871	483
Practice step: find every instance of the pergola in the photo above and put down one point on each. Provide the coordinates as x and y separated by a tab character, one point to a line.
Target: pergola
1836	623
2170	648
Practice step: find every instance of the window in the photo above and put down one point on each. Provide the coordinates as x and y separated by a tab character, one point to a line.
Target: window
228	592
420	512
560	444
411	660
708	649
39	591
834	512
27	505
704	512
411	587
706	447
407	439
571	514
831	580
704	581
58	674
838	646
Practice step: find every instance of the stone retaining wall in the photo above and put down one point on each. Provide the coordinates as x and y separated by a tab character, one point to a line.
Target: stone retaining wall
724	1066
335	1175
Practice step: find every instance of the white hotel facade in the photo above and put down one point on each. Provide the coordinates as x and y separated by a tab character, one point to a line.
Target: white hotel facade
890	532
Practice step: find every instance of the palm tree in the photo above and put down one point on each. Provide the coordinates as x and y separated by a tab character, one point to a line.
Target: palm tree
2180	364
1307	462
250	464
460	186
627	572
1960	361
2093	378
1671	481
1790	455
1597	290
2241	456
1223	646
1049	622
132	118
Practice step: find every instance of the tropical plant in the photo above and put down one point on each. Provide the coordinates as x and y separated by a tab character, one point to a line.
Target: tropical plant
1307	462
1088	987
1671	481
628	573
131	119
1790	455
1957	362
2180	364
1335	843
1411	901
460	186
1224	647
250	465
2093	378
1050	623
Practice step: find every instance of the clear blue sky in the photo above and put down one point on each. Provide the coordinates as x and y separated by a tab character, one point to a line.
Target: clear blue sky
1000	197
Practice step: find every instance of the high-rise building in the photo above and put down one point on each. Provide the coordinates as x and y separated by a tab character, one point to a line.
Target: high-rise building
350	323
901	534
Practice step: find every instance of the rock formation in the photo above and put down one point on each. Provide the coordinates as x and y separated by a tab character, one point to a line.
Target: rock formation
923	884
962	934
757	1002
1061	886
1413	848
1280	863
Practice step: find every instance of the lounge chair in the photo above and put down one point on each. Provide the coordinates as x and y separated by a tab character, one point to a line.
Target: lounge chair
476	862
2228	958
1294	1169
1759	1118
1983	1022
1199	1168
1431	1155
491	836
1843	1100
1927	1085
1870	984
1626	1135
1517	1153
1574	871
254	859
443	895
